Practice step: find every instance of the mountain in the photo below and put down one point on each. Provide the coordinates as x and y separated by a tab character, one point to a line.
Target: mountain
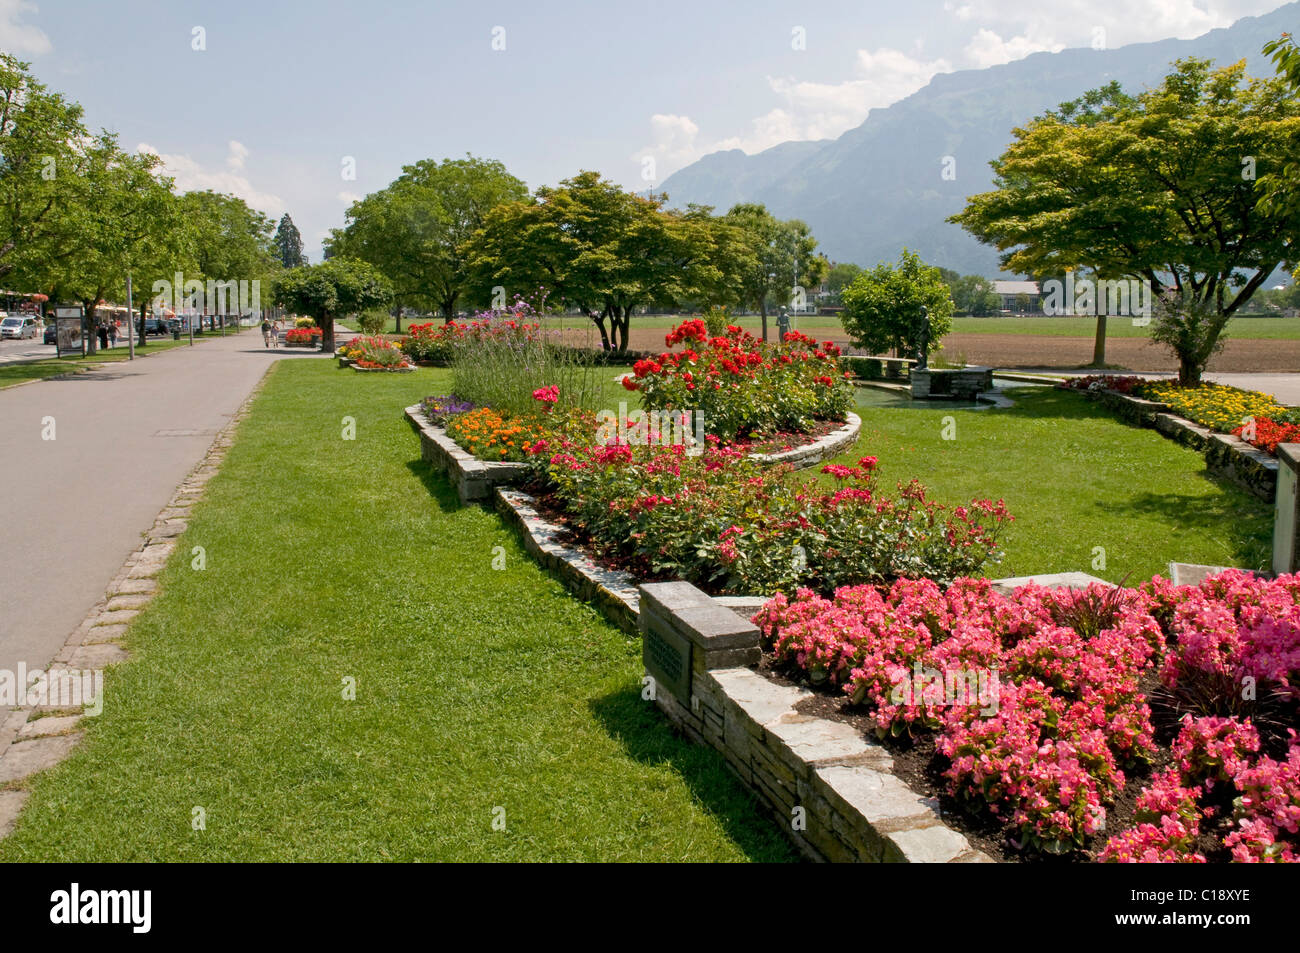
879	186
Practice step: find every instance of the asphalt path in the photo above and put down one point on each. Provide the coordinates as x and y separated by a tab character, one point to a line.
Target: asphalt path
74	507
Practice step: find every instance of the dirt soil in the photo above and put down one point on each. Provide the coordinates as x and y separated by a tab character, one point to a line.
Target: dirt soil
1241	355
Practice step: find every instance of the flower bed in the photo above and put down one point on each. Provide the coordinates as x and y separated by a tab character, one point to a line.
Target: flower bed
1044	708
374	354
726	523
303	337
743	386
1223	409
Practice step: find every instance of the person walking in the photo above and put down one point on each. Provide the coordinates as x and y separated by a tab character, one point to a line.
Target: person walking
102	331
112	334
266	332
276	331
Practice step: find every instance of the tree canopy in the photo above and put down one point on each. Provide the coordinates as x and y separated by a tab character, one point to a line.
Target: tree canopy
882	307
416	229
334	288
590	245
1161	187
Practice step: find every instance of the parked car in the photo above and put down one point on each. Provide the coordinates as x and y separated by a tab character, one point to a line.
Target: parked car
51	334
19	326
156	326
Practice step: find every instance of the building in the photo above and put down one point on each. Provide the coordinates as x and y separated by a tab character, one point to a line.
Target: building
1020	297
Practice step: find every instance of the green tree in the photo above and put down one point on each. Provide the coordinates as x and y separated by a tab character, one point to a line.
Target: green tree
882	308
288	243
416	230
590	245
1158	187
333	289
42	153
782	254
841	275
228	240
120	212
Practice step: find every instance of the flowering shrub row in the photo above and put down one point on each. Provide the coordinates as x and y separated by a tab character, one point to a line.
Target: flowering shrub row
720	520
301	335
742	385
1067	723
435	342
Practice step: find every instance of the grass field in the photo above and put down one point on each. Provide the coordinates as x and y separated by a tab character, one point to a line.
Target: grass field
1250	328
1076	479
476	689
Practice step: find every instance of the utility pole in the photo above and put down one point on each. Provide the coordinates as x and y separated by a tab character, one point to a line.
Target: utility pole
130	317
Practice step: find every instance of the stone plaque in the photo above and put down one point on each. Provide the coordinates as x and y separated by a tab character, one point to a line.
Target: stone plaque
667	657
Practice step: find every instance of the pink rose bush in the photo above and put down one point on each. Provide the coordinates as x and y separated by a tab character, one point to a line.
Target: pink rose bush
1051	718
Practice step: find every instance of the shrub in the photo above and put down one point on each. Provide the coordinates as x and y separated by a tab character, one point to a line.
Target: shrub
304	322
302	335
722	521
743	386
373	321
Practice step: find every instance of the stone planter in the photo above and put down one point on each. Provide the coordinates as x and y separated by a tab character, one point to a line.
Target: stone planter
401	369
305	345
472	477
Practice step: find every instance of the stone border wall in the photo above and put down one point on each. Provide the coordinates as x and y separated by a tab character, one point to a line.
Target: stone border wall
823	448
475	478
472	477
830	789
1228	456
613	591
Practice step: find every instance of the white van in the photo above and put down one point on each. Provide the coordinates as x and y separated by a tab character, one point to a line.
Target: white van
19	326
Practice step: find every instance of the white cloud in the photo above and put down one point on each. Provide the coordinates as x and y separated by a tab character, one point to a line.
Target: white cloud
192	176
1037	26
989	49
347	198
809	110
21	39
238	153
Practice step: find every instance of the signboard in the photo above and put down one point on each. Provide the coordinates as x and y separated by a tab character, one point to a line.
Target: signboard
70	336
667	657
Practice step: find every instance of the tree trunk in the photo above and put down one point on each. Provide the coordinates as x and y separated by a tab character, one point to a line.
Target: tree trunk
762	309
1189	371
399	319
1099	343
599	321
327	333
92	339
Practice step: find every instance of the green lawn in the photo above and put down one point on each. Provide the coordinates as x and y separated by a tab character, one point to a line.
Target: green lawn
475	688
1075	478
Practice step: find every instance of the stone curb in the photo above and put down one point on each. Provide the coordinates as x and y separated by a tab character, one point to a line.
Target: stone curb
1250	468
29	743
821	449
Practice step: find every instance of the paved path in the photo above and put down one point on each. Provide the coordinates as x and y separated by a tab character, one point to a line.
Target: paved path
75	507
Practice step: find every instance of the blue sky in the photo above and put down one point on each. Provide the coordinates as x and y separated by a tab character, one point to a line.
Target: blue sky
284	92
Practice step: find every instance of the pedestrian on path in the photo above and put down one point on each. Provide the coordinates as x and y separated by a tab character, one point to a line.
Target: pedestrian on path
103	337
112	334
266	332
